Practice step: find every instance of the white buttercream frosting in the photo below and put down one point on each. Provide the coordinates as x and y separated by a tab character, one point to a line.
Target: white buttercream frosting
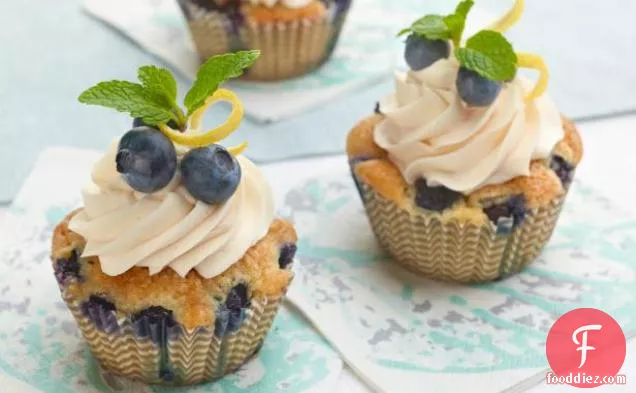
285	3
170	228
430	132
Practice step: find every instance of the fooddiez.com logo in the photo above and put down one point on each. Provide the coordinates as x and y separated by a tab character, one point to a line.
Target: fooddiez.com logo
586	348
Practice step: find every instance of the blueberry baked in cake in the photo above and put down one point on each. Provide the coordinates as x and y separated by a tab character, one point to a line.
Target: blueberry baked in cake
295	36
464	168
175	266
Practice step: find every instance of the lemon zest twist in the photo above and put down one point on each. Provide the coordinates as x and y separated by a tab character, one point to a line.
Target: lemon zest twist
524	60
510	18
236	150
535	62
216	134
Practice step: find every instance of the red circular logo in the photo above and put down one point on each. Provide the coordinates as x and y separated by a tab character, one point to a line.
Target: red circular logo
585	346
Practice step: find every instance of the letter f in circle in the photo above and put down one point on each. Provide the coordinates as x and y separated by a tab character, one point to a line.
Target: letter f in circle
583	344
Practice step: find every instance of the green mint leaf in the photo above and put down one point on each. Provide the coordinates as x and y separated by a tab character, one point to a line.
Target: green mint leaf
457	22
404	31
159	81
432	27
131	98
215	71
489	54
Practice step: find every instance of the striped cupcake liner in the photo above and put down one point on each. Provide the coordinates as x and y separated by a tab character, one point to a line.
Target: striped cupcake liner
458	251
288	49
160	352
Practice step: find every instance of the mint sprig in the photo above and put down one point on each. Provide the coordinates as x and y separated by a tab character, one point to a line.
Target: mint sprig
154	99
159	81
216	71
432	27
457	22
489	54
438	27
131	98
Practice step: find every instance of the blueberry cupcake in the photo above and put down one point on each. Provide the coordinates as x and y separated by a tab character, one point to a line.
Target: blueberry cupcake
464	168
295	36
175	266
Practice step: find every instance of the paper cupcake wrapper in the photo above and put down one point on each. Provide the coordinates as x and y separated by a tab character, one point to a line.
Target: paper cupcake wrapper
454	250
158	354
288	49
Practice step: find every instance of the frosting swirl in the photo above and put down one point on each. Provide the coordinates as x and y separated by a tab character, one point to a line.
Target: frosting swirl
125	228
429	132
285	3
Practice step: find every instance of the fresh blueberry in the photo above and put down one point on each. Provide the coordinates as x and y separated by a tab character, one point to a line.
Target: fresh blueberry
420	52
563	169
67	268
434	198
101	312
287	253
211	174
509	215
153	322
475	89
138	122
233	312
147	159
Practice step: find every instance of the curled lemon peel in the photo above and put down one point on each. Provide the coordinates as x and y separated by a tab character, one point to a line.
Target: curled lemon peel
216	134
510	18
535	62
236	150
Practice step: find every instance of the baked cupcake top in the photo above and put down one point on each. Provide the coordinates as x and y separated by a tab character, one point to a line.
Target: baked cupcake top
285	3
268	11
166	195
462	117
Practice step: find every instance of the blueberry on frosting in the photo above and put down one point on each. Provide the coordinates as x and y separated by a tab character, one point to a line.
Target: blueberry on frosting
147	159
475	89
421	52
210	174
146	155
487	59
